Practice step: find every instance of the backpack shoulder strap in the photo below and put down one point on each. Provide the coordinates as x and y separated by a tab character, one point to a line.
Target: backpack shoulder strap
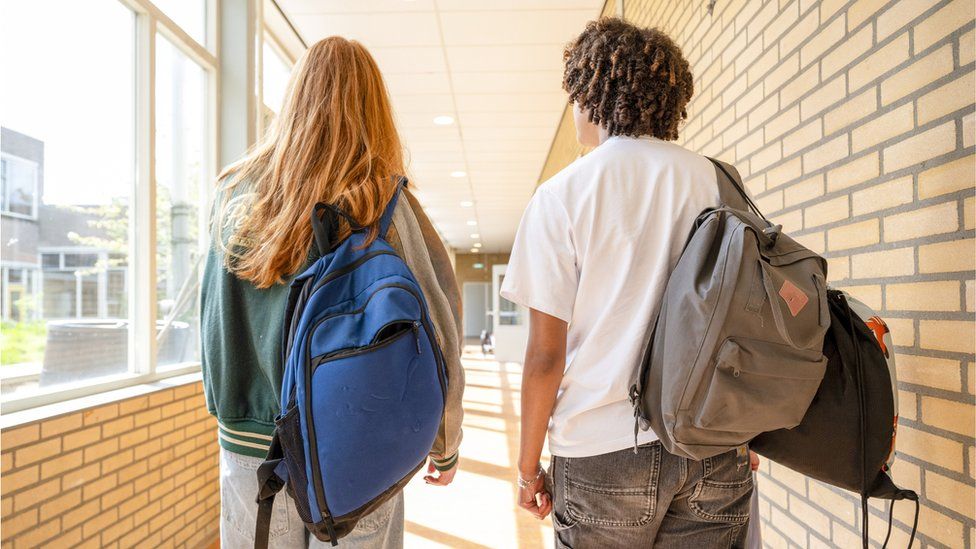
387	219
730	189
325	220
272	477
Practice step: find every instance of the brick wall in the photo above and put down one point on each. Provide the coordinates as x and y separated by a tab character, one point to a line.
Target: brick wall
852	123
137	472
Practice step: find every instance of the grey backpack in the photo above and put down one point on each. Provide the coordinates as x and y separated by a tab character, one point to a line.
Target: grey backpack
737	348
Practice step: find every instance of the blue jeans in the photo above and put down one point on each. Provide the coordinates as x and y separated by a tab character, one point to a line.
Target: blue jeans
651	498
381	529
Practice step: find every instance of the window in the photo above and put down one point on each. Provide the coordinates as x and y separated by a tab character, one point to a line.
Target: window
107	166
84	219
17	293
80	260
181	171
78	285
69	165
51	261
18	186
275	76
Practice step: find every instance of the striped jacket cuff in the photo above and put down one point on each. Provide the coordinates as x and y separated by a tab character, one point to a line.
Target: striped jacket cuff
445	464
241	441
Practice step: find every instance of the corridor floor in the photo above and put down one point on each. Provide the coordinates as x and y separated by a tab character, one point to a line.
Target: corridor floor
478	510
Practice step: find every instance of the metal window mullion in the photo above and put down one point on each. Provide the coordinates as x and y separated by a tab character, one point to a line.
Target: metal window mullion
142	242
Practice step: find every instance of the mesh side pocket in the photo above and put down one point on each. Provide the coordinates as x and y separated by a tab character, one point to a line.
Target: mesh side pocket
290	436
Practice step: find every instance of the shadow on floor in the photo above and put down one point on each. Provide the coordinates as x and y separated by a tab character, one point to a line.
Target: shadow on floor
478	510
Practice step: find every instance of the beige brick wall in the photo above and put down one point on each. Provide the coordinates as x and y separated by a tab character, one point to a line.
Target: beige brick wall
138	472
852	124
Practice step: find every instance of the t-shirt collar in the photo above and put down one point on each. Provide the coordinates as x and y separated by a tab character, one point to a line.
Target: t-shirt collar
629	138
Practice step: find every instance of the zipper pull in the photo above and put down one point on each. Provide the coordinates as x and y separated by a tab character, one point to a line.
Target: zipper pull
416	335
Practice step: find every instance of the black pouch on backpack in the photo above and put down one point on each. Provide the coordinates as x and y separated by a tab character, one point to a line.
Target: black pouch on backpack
847	435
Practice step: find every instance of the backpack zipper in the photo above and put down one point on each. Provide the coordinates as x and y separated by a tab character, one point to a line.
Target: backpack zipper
355	351
348	268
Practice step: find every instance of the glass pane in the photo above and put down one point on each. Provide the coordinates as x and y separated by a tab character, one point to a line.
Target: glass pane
275	77
80	260
190	15
67	111
18	179
181	170
509	314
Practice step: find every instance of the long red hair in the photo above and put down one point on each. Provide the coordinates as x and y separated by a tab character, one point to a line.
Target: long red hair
334	141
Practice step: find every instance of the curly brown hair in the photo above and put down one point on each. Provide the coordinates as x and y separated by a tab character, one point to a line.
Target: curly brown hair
632	81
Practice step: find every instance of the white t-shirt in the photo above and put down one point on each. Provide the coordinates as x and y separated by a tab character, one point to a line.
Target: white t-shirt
595	247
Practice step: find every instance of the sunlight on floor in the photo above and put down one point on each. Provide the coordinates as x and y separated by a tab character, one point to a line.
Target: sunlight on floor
478	510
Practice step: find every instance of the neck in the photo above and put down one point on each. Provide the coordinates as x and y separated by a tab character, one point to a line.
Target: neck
603	134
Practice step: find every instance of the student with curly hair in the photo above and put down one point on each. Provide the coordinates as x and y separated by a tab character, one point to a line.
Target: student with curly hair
591	259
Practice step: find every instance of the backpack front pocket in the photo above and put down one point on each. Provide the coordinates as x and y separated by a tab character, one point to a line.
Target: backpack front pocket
375	413
759	386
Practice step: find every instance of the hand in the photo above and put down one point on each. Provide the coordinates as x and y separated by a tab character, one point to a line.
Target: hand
753	461
535	499
440	478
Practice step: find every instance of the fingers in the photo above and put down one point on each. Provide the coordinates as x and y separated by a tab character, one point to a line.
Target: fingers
539	503
438	480
545	505
531	507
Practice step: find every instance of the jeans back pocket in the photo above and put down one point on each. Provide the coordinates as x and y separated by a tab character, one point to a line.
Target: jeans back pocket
615	489
724	492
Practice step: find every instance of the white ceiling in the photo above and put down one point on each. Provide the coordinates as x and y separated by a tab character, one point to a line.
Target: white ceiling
494	66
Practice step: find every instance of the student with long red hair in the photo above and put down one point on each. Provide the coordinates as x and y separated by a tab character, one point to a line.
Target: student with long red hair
335	142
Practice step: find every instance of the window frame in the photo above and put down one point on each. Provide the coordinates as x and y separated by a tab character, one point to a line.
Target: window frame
35	200
150	22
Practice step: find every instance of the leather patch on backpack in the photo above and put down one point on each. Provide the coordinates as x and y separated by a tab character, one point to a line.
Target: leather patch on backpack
794	297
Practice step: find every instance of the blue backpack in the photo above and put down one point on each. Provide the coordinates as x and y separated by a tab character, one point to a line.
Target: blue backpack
364	382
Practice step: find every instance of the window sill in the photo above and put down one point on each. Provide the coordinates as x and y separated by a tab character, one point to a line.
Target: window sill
108	396
15	215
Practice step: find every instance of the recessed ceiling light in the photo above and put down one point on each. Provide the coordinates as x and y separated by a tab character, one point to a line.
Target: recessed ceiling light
474	250
458	173
443	120
472	223
475	235
477	244
466	203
